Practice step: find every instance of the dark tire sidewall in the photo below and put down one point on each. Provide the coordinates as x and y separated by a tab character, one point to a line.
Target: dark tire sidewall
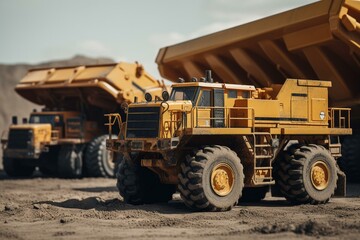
233	196
17	167
109	171
325	194
70	161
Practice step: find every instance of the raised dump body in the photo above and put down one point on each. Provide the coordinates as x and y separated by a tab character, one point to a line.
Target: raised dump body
317	41
105	86
67	138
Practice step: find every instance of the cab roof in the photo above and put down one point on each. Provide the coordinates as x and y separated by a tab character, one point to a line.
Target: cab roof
215	85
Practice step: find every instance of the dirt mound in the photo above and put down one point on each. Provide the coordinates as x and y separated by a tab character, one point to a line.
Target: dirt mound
315	228
309	228
85	203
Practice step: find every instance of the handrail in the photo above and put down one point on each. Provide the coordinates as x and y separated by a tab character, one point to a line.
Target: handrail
339	117
174	124
228	118
177	123
112	119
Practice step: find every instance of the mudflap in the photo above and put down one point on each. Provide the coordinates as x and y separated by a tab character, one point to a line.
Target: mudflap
341	184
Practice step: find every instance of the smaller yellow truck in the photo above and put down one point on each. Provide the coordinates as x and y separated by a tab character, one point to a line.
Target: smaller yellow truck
219	143
67	138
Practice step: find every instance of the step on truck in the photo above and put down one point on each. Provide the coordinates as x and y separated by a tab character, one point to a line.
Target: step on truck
318	41
218	143
67	137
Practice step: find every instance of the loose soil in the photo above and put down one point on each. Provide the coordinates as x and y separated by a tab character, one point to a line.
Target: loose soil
91	208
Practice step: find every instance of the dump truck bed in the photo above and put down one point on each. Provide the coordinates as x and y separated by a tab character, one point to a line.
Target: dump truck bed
103	86
316	41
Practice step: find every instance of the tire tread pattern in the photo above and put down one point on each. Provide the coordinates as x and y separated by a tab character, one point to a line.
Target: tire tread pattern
350	160
190	178
138	185
94	158
289	170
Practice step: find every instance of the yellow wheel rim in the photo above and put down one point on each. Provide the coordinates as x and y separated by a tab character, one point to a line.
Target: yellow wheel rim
222	179
320	175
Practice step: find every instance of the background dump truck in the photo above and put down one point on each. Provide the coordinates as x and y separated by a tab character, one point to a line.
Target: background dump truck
219	143
317	41
68	135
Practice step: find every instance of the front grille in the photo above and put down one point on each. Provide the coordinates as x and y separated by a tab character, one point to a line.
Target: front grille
143	122
73	128
19	138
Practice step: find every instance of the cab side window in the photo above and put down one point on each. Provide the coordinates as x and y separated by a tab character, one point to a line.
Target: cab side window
205	98
232	94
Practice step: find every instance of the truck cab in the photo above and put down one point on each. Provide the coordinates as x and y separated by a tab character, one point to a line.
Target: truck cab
42	130
41	136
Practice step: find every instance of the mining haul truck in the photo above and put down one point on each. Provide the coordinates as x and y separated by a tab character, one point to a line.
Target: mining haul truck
67	138
218	143
317	41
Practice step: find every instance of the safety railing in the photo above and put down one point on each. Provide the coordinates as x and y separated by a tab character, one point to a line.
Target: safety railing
233	117
114	118
176	123
339	117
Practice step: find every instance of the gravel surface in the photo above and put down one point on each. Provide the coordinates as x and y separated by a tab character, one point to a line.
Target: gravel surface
89	208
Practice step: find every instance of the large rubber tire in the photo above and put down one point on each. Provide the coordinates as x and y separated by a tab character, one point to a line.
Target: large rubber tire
119	158
98	160
195	179
17	168
350	160
48	162
138	185
254	194
70	161
278	173
294	174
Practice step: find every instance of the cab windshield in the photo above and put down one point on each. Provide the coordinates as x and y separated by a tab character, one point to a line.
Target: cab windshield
54	120
184	93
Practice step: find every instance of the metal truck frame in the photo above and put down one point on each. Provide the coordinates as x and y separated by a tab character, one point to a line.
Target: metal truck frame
218	143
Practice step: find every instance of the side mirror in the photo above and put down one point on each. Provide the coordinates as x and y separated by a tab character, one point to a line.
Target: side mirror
14	120
165	95
124	106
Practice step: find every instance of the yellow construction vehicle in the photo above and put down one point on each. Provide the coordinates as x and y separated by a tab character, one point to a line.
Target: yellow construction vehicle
67	138
317	41
215	142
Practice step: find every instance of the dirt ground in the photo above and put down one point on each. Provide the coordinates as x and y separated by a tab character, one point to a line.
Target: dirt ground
89	208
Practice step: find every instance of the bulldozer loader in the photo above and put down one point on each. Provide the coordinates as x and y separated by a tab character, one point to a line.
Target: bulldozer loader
218	143
67	137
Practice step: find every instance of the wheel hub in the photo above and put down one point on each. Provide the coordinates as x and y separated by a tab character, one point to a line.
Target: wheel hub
320	175
222	179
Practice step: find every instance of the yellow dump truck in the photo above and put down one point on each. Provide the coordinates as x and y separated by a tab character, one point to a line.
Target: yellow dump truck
67	138
218	143
317	41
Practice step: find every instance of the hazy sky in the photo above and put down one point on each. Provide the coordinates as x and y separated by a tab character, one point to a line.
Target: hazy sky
32	31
